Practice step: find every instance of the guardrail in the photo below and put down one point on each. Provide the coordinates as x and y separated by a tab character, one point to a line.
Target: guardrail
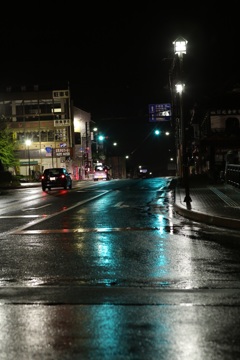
232	175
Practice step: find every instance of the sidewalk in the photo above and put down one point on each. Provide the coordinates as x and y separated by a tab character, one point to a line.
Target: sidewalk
214	204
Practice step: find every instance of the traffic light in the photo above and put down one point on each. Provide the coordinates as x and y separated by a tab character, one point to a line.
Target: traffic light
157	132
101	137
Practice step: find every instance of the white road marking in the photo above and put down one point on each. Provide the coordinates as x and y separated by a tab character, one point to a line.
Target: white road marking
36	208
44	218
120	205
20	216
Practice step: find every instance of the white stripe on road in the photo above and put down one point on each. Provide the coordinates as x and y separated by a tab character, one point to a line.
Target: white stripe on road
34	222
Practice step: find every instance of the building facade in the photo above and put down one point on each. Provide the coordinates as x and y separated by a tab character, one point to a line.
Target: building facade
43	125
216	136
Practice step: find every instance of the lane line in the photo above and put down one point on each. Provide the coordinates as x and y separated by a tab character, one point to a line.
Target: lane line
20	216
34	222
36	208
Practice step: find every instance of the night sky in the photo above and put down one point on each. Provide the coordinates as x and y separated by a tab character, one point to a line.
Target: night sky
116	58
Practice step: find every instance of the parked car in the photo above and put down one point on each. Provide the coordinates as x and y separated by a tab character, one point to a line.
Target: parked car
101	172
56	177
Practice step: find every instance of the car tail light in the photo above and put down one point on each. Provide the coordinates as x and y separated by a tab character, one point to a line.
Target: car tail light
62	176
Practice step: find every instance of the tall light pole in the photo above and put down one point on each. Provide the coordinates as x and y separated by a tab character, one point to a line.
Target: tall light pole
180	48
28	143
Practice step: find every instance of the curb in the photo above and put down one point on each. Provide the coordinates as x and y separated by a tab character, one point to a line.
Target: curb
208	219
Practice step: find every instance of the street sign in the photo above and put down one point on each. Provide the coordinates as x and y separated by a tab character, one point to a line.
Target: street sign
63	152
159	112
48	149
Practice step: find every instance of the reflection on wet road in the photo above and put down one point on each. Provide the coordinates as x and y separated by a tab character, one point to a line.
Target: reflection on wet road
110	271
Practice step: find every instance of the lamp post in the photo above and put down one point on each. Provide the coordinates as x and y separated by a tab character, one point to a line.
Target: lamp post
180	48
28	143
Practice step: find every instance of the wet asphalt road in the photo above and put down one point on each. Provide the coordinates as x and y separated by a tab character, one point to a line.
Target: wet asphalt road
109	271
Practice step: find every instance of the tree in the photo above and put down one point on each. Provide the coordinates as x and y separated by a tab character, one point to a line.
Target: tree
7	147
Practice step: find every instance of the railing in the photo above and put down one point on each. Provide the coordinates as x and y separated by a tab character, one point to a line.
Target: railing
233	175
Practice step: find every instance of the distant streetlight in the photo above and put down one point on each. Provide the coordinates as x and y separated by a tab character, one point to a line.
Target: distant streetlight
28	143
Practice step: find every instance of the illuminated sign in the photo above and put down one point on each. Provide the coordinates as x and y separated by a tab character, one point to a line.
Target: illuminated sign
159	112
63	152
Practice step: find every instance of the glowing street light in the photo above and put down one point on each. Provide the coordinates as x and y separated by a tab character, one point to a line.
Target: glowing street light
180	46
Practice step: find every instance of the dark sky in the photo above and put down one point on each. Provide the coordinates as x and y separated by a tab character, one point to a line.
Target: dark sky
111	54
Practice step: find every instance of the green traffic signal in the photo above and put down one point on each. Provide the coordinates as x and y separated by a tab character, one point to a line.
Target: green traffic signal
157	132
101	137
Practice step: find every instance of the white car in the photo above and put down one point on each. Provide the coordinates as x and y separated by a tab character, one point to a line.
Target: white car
101	173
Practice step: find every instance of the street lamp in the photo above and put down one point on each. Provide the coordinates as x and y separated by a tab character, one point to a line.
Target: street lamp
180	48
28	143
